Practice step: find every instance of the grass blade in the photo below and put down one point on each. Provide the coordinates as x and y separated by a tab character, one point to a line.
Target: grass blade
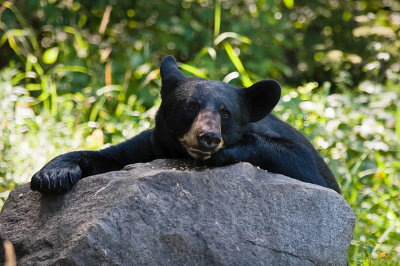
217	18
238	64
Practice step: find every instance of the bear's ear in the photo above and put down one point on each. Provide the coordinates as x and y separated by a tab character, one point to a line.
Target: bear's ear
170	74
261	98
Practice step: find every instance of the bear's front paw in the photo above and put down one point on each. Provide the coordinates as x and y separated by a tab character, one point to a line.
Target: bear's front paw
56	177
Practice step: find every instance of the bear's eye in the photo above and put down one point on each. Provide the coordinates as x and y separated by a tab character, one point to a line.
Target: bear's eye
193	105
225	114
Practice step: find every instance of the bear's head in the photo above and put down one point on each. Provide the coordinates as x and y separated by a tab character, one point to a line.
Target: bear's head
204	116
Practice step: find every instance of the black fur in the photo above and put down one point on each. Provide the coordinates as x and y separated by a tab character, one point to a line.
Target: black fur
248	133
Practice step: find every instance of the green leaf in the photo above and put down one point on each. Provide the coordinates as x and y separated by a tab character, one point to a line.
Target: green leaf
232	35
193	70
217	18
207	50
33	87
238	64
50	55
397	126
289	3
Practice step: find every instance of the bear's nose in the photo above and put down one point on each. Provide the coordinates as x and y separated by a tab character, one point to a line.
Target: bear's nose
209	140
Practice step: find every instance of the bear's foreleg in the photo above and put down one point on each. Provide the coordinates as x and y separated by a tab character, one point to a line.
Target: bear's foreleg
61	173
275	155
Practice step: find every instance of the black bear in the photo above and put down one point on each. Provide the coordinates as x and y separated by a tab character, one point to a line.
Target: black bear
206	120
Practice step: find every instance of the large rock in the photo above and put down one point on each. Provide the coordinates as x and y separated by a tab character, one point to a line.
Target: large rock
170	212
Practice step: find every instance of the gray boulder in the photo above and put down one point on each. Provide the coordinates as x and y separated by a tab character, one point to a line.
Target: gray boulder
170	212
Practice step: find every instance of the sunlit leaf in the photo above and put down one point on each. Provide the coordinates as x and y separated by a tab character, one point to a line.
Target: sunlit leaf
3	39
54	96
108	88
50	55
96	108
231	76
288	3
238	64
13	44
217	18
232	35
33	87
207	50
195	71
397	129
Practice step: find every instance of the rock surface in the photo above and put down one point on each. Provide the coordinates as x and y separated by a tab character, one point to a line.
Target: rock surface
171	213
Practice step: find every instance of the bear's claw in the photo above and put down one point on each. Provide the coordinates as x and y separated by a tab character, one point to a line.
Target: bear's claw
55	178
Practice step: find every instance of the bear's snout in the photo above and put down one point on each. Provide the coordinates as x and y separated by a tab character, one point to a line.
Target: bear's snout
209	140
204	137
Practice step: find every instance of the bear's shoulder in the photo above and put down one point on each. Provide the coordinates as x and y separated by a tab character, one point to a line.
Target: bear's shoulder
273	128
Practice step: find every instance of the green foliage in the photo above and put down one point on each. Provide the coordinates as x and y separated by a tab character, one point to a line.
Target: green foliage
79	74
355	133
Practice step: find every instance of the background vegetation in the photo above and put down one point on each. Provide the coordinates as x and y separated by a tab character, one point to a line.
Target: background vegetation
80	74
